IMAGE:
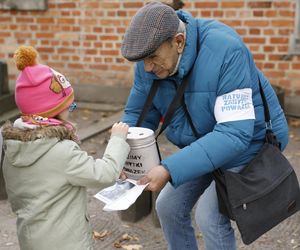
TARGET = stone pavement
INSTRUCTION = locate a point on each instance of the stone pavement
(117, 234)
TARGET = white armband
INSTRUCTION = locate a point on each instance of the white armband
(234, 106)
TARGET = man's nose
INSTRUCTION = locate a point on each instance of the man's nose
(148, 65)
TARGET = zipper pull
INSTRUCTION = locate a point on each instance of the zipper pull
(244, 206)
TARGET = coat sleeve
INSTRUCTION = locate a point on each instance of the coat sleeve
(84, 170)
(136, 101)
(231, 135)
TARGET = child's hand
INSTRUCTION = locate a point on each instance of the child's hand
(120, 129)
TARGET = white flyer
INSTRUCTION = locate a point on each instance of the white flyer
(121, 195)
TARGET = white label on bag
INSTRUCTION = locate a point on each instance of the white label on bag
(234, 106)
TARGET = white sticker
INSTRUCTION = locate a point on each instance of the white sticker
(234, 106)
(61, 79)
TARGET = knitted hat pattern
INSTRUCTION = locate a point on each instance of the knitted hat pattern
(40, 90)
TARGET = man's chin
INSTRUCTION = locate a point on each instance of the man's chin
(162, 75)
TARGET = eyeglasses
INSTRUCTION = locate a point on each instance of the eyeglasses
(72, 107)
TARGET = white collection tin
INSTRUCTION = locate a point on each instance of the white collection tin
(143, 153)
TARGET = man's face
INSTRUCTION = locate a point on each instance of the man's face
(163, 61)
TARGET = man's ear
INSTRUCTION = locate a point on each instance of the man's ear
(180, 42)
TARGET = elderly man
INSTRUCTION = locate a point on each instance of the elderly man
(225, 106)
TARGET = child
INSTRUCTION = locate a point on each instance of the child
(45, 170)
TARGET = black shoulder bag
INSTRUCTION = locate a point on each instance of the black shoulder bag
(260, 196)
(264, 193)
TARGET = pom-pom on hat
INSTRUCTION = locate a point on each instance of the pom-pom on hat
(152, 25)
(40, 90)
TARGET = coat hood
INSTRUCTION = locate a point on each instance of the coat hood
(23, 147)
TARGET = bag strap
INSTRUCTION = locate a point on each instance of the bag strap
(178, 98)
(266, 107)
(148, 102)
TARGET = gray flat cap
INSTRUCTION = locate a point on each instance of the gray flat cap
(152, 25)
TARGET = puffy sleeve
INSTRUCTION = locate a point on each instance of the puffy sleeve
(84, 170)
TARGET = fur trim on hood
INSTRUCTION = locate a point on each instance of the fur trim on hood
(10, 132)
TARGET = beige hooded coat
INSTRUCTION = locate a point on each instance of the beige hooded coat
(46, 176)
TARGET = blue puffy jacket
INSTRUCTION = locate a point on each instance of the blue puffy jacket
(222, 68)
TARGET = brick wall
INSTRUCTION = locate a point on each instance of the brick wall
(82, 38)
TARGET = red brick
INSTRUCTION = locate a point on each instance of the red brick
(218, 13)
(108, 45)
(91, 37)
(111, 13)
(5, 19)
(259, 40)
(66, 20)
(271, 13)
(90, 22)
(232, 23)
(242, 32)
(76, 43)
(256, 23)
(269, 48)
(120, 67)
(48, 20)
(99, 66)
(134, 5)
(258, 13)
(273, 57)
(268, 32)
(282, 23)
(65, 50)
(259, 57)
(109, 30)
(45, 50)
(75, 66)
(45, 42)
(279, 40)
(266, 4)
(68, 5)
(23, 35)
(66, 28)
(91, 52)
(283, 48)
(206, 5)
(109, 38)
(230, 13)
(89, 5)
(205, 13)
(254, 31)
(5, 34)
(108, 60)
(254, 48)
(269, 65)
(110, 22)
(109, 5)
(282, 4)
(285, 32)
(283, 66)
(76, 13)
(232, 5)
(24, 19)
(121, 13)
(65, 13)
(98, 45)
(109, 52)
(287, 13)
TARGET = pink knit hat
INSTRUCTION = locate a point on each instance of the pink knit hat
(40, 90)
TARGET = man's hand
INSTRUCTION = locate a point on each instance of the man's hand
(157, 178)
